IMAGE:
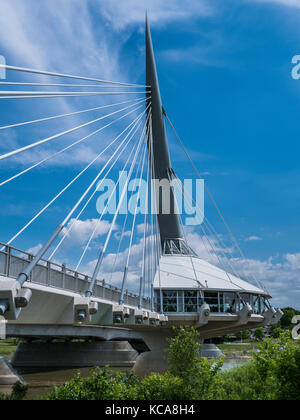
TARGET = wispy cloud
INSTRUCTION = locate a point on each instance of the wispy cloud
(83, 229)
(253, 239)
(288, 3)
(121, 14)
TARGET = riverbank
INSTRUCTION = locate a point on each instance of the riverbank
(42, 382)
(8, 347)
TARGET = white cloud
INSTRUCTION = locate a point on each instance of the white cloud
(132, 12)
(253, 238)
(34, 250)
(83, 229)
(62, 37)
(289, 3)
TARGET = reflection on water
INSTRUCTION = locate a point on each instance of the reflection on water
(41, 383)
(234, 363)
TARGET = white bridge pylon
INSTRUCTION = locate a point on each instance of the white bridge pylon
(171, 284)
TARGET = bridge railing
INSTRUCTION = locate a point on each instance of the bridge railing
(13, 261)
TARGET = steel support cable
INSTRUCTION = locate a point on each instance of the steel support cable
(66, 76)
(133, 226)
(158, 252)
(39, 95)
(215, 251)
(157, 243)
(51, 138)
(260, 284)
(158, 249)
(101, 256)
(65, 188)
(52, 96)
(121, 239)
(104, 210)
(146, 284)
(224, 255)
(222, 266)
(185, 238)
(209, 227)
(67, 148)
(69, 114)
(100, 219)
(143, 271)
(103, 213)
(64, 85)
(23, 277)
(148, 225)
(134, 125)
(153, 257)
(69, 229)
(212, 231)
(150, 219)
(119, 247)
(152, 230)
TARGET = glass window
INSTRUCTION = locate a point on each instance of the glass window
(230, 302)
(212, 299)
(181, 302)
(170, 301)
(262, 305)
(191, 301)
(256, 304)
(157, 301)
(221, 302)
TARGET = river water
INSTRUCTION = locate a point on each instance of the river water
(41, 383)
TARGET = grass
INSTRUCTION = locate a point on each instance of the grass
(237, 349)
(240, 348)
(8, 347)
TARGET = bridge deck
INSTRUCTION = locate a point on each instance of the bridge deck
(13, 261)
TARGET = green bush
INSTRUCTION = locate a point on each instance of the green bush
(19, 392)
(198, 374)
(274, 373)
(161, 387)
(259, 334)
(101, 385)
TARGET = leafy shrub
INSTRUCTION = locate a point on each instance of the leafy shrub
(162, 387)
(274, 373)
(102, 385)
(198, 374)
(19, 392)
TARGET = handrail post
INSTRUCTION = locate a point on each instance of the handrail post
(63, 269)
(7, 260)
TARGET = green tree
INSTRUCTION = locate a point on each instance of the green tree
(184, 353)
(243, 335)
(276, 332)
(198, 374)
(259, 334)
(288, 315)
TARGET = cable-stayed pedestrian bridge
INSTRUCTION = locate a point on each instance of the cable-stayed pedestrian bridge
(161, 280)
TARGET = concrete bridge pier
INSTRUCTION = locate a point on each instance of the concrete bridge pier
(155, 360)
(68, 354)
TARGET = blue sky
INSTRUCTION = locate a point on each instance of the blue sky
(225, 75)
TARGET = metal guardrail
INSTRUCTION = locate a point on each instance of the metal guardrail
(13, 261)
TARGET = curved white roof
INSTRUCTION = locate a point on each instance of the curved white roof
(185, 272)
